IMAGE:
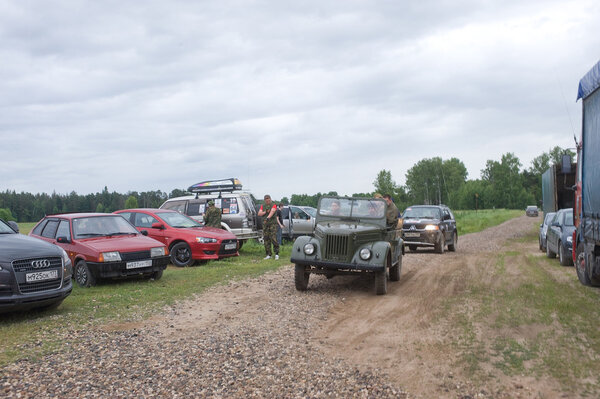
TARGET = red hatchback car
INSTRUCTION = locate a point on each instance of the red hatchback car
(188, 241)
(102, 245)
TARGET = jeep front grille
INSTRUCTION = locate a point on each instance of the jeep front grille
(336, 247)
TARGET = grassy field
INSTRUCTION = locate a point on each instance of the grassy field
(133, 300)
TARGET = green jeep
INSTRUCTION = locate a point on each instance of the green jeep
(351, 236)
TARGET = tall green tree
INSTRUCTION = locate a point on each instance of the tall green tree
(131, 202)
(384, 184)
(435, 181)
(505, 181)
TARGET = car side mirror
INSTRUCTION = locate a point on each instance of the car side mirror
(144, 232)
(157, 225)
(13, 225)
(63, 240)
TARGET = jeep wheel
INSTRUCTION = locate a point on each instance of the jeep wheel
(396, 270)
(549, 253)
(440, 244)
(563, 258)
(83, 276)
(381, 282)
(580, 267)
(452, 247)
(301, 275)
(181, 255)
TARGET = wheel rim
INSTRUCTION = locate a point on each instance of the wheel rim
(580, 265)
(183, 255)
(81, 276)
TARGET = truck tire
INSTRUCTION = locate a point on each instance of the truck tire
(582, 275)
(452, 247)
(396, 270)
(549, 253)
(440, 244)
(301, 276)
(381, 282)
(563, 258)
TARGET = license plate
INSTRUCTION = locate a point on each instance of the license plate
(412, 234)
(41, 276)
(230, 246)
(139, 263)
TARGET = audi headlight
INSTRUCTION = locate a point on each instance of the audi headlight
(431, 227)
(365, 254)
(158, 251)
(205, 240)
(309, 249)
(110, 257)
(65, 257)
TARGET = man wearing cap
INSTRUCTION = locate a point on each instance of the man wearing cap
(212, 217)
(267, 212)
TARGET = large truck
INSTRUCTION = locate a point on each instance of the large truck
(557, 186)
(586, 212)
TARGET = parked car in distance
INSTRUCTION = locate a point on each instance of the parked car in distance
(239, 215)
(33, 273)
(430, 226)
(102, 246)
(531, 210)
(544, 229)
(297, 222)
(559, 237)
(351, 238)
(188, 241)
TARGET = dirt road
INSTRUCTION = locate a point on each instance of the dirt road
(262, 338)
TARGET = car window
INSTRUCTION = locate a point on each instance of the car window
(177, 220)
(50, 229)
(178, 206)
(63, 230)
(196, 208)
(38, 229)
(228, 205)
(422, 212)
(5, 228)
(126, 215)
(299, 213)
(568, 219)
(549, 217)
(98, 226)
(143, 220)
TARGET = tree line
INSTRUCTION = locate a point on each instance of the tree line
(502, 184)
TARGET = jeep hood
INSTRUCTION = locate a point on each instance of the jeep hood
(345, 227)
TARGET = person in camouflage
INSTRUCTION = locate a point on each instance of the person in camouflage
(391, 215)
(212, 217)
(267, 212)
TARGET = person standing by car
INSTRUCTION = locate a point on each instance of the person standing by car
(267, 212)
(391, 215)
(279, 218)
(212, 217)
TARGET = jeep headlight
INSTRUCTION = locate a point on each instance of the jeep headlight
(309, 249)
(110, 257)
(365, 254)
(158, 251)
(205, 240)
(432, 227)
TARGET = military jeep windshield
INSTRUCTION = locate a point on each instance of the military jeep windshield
(352, 208)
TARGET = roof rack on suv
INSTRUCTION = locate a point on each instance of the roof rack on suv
(212, 186)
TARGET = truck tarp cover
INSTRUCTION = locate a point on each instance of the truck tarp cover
(591, 141)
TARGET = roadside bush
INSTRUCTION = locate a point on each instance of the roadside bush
(6, 214)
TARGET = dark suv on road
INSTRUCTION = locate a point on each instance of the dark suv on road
(430, 226)
(33, 273)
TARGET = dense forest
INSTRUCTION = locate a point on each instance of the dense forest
(502, 184)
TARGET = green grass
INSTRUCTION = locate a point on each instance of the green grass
(30, 334)
(474, 221)
(541, 323)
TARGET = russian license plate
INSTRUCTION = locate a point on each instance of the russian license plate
(41, 276)
(138, 264)
(412, 234)
(230, 246)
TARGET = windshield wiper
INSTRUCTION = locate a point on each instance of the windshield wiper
(119, 233)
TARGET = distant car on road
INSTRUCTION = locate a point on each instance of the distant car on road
(188, 241)
(531, 210)
(33, 273)
(430, 226)
(102, 245)
(559, 238)
(544, 228)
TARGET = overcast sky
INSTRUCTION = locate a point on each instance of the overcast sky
(290, 97)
